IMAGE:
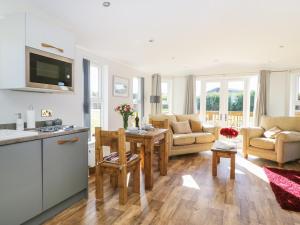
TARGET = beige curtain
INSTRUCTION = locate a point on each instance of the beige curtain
(261, 99)
(155, 98)
(190, 95)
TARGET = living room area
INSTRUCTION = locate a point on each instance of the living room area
(150, 112)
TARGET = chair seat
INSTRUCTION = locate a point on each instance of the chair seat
(114, 157)
(264, 143)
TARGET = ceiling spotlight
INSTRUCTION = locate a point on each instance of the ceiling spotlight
(151, 40)
(173, 58)
(106, 4)
(281, 46)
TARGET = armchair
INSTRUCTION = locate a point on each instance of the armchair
(285, 147)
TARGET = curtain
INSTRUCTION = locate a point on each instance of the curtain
(190, 95)
(142, 97)
(261, 99)
(86, 93)
(156, 94)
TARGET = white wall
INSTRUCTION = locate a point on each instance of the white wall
(278, 94)
(69, 106)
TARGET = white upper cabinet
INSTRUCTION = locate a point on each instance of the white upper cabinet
(48, 37)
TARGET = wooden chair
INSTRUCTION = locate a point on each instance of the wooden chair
(117, 164)
(164, 124)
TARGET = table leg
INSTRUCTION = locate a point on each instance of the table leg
(142, 155)
(133, 147)
(232, 166)
(214, 164)
(218, 159)
(164, 156)
(149, 147)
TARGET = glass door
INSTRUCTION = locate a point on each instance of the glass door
(225, 103)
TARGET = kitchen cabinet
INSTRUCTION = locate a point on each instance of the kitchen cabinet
(20, 182)
(65, 167)
(24, 29)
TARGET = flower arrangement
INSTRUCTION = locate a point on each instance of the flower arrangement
(229, 132)
(125, 110)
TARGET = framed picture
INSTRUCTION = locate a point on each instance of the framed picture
(120, 87)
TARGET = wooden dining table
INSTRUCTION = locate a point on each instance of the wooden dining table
(147, 140)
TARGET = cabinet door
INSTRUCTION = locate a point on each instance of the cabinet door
(20, 182)
(39, 31)
(65, 167)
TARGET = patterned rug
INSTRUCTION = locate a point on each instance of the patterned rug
(286, 187)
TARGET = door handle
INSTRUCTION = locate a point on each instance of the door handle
(72, 140)
(45, 45)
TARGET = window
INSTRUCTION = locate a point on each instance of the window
(138, 95)
(96, 97)
(166, 96)
(198, 95)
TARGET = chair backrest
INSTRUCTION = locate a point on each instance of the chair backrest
(116, 140)
(286, 123)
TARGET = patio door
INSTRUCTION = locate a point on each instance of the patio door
(225, 102)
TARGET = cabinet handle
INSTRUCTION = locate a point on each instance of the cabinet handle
(45, 45)
(72, 140)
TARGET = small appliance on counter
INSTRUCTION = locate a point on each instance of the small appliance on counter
(30, 117)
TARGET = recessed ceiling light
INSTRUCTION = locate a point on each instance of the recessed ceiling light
(106, 4)
(281, 46)
(215, 61)
(151, 40)
(173, 58)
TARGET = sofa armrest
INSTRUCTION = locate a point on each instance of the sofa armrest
(252, 132)
(288, 136)
(248, 133)
(213, 130)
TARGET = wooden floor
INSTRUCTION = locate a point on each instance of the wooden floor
(190, 195)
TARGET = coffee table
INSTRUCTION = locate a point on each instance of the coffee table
(224, 153)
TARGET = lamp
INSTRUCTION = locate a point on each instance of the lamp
(154, 99)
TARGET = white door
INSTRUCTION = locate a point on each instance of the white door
(225, 102)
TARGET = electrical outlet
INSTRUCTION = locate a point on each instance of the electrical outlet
(46, 113)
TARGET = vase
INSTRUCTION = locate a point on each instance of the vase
(125, 122)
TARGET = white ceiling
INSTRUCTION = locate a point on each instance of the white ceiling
(191, 36)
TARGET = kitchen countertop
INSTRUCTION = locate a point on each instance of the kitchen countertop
(42, 135)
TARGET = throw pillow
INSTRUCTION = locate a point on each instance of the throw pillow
(181, 127)
(196, 126)
(272, 133)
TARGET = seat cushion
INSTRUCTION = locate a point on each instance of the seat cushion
(264, 143)
(183, 139)
(203, 137)
(114, 157)
(181, 127)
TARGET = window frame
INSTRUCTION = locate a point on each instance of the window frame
(169, 95)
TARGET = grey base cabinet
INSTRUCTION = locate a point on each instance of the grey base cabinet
(20, 182)
(65, 167)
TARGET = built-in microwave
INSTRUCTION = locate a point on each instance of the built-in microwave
(46, 70)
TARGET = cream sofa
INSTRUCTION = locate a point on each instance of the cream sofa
(188, 143)
(285, 147)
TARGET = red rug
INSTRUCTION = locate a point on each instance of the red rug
(286, 187)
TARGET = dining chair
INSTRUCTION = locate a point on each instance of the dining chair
(117, 164)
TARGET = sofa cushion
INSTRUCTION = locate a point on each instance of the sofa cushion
(264, 143)
(181, 127)
(181, 118)
(183, 139)
(272, 133)
(202, 138)
(196, 125)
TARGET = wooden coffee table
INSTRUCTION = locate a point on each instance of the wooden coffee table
(217, 154)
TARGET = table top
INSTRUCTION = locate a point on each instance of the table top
(232, 150)
(148, 134)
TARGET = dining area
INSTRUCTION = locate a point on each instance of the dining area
(130, 154)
